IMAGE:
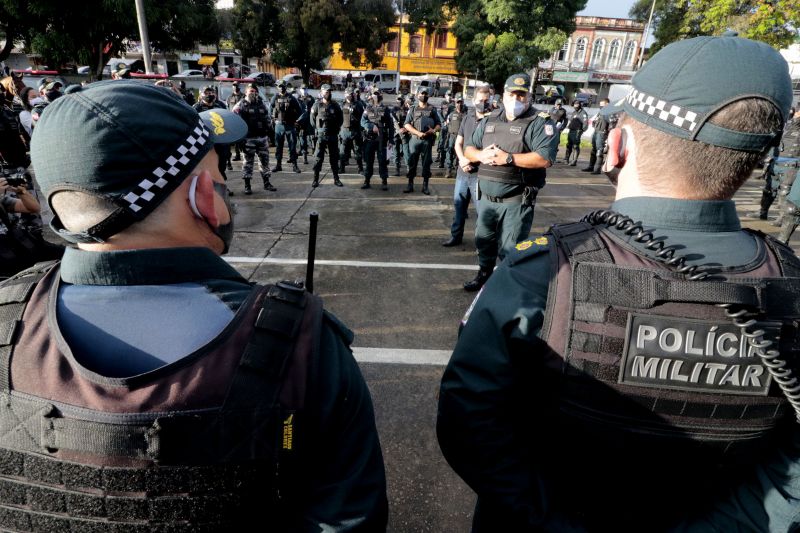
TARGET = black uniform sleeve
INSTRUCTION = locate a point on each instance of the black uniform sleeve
(477, 136)
(298, 111)
(348, 491)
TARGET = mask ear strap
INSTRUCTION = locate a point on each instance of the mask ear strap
(193, 197)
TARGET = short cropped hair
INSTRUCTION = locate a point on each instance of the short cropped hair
(701, 170)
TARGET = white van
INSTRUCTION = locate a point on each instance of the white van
(385, 80)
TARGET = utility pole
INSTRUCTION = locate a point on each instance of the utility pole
(143, 37)
(399, 48)
(645, 34)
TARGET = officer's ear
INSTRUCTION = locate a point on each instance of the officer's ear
(617, 149)
(201, 198)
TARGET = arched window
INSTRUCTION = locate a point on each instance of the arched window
(630, 53)
(563, 53)
(580, 50)
(597, 52)
(613, 54)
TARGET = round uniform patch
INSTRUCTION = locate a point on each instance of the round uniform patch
(519, 81)
(524, 245)
(548, 129)
(541, 241)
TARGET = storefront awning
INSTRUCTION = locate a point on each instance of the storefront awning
(206, 60)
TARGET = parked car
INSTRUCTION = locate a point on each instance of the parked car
(191, 74)
(584, 98)
(385, 80)
(293, 80)
(261, 78)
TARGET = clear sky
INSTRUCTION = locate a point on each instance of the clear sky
(607, 8)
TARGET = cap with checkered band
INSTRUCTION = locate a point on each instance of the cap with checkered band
(685, 83)
(129, 141)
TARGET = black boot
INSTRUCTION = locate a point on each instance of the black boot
(452, 241)
(410, 186)
(277, 168)
(425, 186)
(366, 184)
(305, 159)
(479, 281)
(384, 185)
(247, 189)
(337, 181)
(295, 167)
(268, 186)
(341, 168)
(315, 182)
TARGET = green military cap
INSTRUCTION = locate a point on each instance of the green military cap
(518, 82)
(53, 85)
(686, 82)
(128, 141)
(325, 87)
(209, 88)
(252, 86)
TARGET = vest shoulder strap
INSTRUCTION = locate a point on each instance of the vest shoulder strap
(14, 295)
(581, 242)
(787, 260)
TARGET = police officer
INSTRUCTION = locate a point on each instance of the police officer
(376, 123)
(787, 167)
(466, 187)
(514, 145)
(306, 129)
(453, 126)
(235, 97)
(180, 407)
(326, 115)
(422, 122)
(350, 138)
(285, 112)
(254, 112)
(577, 123)
(597, 357)
(188, 94)
(402, 136)
(208, 100)
(602, 122)
(445, 108)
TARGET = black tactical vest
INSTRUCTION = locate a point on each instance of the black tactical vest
(577, 120)
(256, 116)
(234, 99)
(423, 118)
(69, 467)
(376, 114)
(326, 115)
(350, 116)
(791, 139)
(510, 137)
(454, 120)
(282, 111)
(400, 113)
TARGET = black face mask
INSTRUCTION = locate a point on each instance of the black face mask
(283, 90)
(53, 95)
(423, 98)
(208, 98)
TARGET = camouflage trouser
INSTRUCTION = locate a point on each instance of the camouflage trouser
(253, 146)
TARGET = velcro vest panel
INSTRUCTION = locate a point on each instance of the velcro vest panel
(376, 115)
(350, 120)
(423, 118)
(647, 352)
(510, 137)
(454, 120)
(256, 116)
(577, 120)
(283, 109)
(68, 466)
(326, 115)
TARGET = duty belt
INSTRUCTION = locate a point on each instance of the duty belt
(516, 199)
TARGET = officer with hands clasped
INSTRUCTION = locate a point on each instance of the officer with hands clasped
(285, 112)
(326, 116)
(646, 355)
(169, 393)
(514, 145)
(376, 123)
(422, 122)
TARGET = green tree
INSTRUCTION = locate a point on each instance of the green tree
(497, 38)
(301, 33)
(774, 22)
(93, 31)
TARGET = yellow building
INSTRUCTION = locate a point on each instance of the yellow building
(423, 52)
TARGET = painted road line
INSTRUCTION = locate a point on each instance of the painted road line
(402, 356)
(365, 264)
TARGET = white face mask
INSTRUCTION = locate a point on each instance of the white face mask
(36, 101)
(519, 108)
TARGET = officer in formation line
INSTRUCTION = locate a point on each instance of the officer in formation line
(514, 145)
(350, 136)
(401, 136)
(650, 348)
(466, 186)
(326, 115)
(163, 398)
(254, 112)
(453, 127)
(787, 167)
(602, 123)
(208, 100)
(286, 111)
(307, 133)
(445, 108)
(376, 124)
(422, 122)
(234, 98)
(577, 123)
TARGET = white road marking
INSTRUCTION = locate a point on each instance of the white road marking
(402, 356)
(365, 264)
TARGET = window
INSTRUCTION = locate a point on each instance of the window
(441, 39)
(629, 54)
(613, 53)
(392, 46)
(597, 51)
(580, 50)
(562, 54)
(415, 44)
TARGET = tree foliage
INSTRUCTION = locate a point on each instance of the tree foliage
(301, 33)
(497, 38)
(774, 22)
(93, 31)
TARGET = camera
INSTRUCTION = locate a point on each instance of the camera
(16, 181)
